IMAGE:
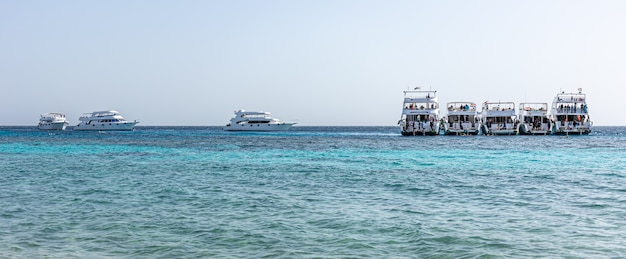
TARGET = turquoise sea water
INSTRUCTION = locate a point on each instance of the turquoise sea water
(193, 192)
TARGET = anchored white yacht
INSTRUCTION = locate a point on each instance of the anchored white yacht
(104, 121)
(420, 113)
(571, 114)
(52, 121)
(534, 119)
(256, 121)
(498, 118)
(462, 119)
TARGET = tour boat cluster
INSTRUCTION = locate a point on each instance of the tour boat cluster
(420, 116)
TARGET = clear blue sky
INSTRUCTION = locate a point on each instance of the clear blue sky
(317, 62)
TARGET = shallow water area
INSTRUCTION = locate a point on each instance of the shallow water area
(310, 192)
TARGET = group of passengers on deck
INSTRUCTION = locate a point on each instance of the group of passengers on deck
(422, 107)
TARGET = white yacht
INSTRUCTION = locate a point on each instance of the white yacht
(420, 113)
(52, 121)
(104, 121)
(534, 119)
(498, 118)
(570, 114)
(462, 119)
(256, 121)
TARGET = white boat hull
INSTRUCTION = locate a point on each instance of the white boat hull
(258, 127)
(543, 129)
(499, 130)
(109, 126)
(52, 126)
(466, 128)
(420, 129)
(461, 132)
(571, 130)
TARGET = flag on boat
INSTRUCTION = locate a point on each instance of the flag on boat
(580, 89)
(416, 88)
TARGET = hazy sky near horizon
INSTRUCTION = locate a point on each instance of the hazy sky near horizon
(316, 62)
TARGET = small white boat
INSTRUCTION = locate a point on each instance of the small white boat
(462, 119)
(420, 114)
(534, 119)
(52, 121)
(498, 118)
(256, 121)
(104, 121)
(570, 114)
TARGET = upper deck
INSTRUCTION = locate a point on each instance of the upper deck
(570, 103)
(462, 108)
(420, 102)
(101, 114)
(568, 98)
(533, 109)
(52, 115)
(420, 96)
(498, 109)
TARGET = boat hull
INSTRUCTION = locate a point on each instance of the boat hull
(525, 129)
(461, 132)
(500, 132)
(581, 131)
(419, 133)
(127, 126)
(52, 126)
(536, 132)
(258, 127)
(459, 129)
(420, 129)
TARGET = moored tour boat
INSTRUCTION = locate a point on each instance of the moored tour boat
(462, 119)
(256, 121)
(104, 121)
(570, 114)
(534, 119)
(498, 118)
(420, 113)
(52, 121)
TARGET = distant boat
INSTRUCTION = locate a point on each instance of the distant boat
(104, 121)
(498, 118)
(256, 121)
(52, 121)
(462, 119)
(420, 114)
(570, 114)
(534, 119)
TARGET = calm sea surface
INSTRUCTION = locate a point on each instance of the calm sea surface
(193, 192)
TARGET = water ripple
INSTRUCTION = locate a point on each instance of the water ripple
(311, 192)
